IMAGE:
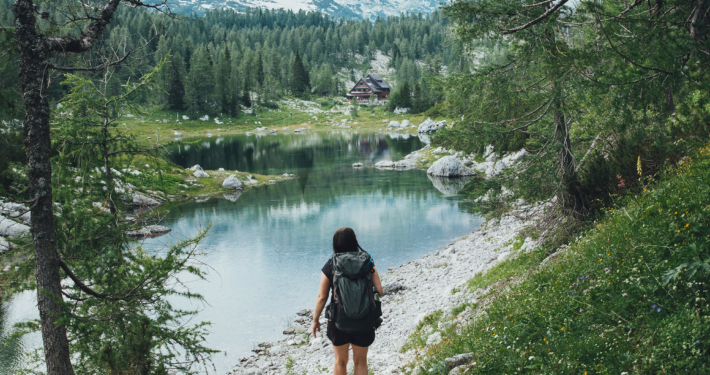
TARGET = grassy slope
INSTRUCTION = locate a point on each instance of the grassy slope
(600, 306)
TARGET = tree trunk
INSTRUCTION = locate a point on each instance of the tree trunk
(568, 195)
(32, 70)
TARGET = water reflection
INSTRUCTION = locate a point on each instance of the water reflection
(281, 153)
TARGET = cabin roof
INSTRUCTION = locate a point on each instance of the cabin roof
(376, 83)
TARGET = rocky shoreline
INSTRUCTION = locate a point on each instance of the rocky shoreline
(412, 291)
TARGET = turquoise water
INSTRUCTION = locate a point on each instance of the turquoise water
(266, 246)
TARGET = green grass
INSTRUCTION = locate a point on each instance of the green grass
(628, 296)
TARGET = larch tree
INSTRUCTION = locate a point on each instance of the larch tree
(38, 51)
(69, 37)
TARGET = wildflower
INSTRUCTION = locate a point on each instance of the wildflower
(591, 287)
(548, 332)
(624, 295)
(659, 309)
(687, 225)
(531, 358)
(562, 329)
(581, 310)
(653, 307)
(676, 213)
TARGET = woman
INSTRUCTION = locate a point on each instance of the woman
(344, 240)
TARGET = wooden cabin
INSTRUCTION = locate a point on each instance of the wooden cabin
(372, 84)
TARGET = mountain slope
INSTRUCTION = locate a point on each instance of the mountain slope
(361, 9)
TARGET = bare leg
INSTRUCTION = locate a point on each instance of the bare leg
(341, 359)
(360, 360)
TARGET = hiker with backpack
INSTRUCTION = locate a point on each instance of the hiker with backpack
(354, 311)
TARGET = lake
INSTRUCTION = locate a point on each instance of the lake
(266, 246)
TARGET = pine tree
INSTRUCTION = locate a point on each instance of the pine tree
(246, 95)
(223, 88)
(301, 80)
(173, 83)
(418, 99)
(200, 83)
(405, 96)
(260, 71)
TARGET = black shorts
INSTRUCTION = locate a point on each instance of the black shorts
(338, 338)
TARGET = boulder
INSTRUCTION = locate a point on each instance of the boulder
(142, 200)
(429, 126)
(393, 124)
(5, 245)
(196, 167)
(17, 211)
(449, 166)
(384, 164)
(232, 182)
(221, 169)
(149, 231)
(405, 123)
(200, 174)
(458, 360)
(405, 164)
(393, 288)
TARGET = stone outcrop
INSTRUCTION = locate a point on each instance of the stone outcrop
(11, 228)
(449, 166)
(142, 200)
(200, 174)
(429, 126)
(232, 182)
(384, 164)
(149, 231)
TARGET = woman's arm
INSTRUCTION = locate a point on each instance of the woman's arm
(376, 282)
(320, 302)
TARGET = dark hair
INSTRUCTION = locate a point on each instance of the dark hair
(344, 240)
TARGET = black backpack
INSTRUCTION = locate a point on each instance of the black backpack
(355, 308)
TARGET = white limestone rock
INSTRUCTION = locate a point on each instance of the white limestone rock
(10, 228)
(405, 164)
(196, 167)
(5, 245)
(384, 164)
(405, 124)
(149, 231)
(142, 200)
(449, 166)
(232, 182)
(429, 126)
(394, 124)
(200, 174)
